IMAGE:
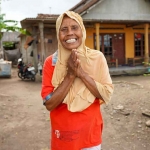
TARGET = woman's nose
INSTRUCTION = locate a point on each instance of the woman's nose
(70, 31)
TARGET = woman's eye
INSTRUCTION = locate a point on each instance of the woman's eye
(64, 29)
(75, 28)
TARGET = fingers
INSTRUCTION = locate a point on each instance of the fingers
(78, 68)
(77, 63)
(74, 55)
(73, 62)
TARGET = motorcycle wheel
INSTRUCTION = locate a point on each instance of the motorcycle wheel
(19, 75)
(22, 77)
(32, 78)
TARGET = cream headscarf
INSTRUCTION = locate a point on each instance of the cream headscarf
(93, 62)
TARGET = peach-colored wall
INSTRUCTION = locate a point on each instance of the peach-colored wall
(90, 38)
(129, 36)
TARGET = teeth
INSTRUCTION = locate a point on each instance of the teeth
(71, 41)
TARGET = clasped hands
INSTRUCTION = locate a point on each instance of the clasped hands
(73, 64)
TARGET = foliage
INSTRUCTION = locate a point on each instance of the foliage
(10, 25)
(8, 44)
(146, 63)
(148, 69)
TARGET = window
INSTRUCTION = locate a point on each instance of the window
(139, 44)
(107, 45)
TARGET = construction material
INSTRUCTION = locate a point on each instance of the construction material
(5, 68)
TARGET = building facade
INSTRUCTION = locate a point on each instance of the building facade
(118, 28)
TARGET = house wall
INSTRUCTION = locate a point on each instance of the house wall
(26, 53)
(129, 40)
(120, 10)
(50, 45)
(129, 36)
(91, 31)
(90, 37)
(50, 42)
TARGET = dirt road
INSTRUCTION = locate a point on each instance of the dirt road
(24, 121)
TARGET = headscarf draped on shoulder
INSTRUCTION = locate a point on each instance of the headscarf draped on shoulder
(92, 61)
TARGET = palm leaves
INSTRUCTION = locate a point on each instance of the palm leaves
(10, 25)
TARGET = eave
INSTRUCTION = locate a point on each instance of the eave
(84, 6)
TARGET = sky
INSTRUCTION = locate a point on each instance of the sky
(21, 9)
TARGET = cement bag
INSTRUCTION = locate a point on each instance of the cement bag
(5, 68)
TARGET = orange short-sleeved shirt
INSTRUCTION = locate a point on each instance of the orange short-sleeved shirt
(71, 130)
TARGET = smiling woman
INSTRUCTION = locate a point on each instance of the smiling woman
(70, 34)
(76, 81)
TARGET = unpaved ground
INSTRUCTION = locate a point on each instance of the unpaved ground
(24, 121)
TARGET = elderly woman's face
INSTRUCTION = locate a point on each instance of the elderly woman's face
(70, 34)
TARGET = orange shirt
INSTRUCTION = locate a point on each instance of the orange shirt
(71, 130)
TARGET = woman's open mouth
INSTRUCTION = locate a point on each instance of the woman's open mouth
(71, 41)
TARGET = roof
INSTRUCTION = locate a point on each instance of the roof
(81, 7)
(46, 18)
(84, 6)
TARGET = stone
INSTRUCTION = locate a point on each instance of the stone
(140, 121)
(126, 113)
(146, 113)
(119, 107)
(148, 123)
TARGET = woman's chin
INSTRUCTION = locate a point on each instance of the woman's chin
(71, 47)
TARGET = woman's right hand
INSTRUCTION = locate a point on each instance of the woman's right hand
(72, 63)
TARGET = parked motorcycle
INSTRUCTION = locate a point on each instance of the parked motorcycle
(26, 71)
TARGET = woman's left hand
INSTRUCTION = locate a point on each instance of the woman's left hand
(79, 71)
(74, 64)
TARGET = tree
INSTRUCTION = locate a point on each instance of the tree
(10, 25)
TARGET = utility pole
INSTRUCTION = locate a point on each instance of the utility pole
(50, 10)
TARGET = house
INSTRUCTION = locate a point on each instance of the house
(43, 32)
(118, 28)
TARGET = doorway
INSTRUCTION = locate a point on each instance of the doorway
(112, 46)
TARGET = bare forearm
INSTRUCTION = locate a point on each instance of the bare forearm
(60, 93)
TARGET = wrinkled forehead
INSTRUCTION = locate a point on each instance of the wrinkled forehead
(68, 21)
